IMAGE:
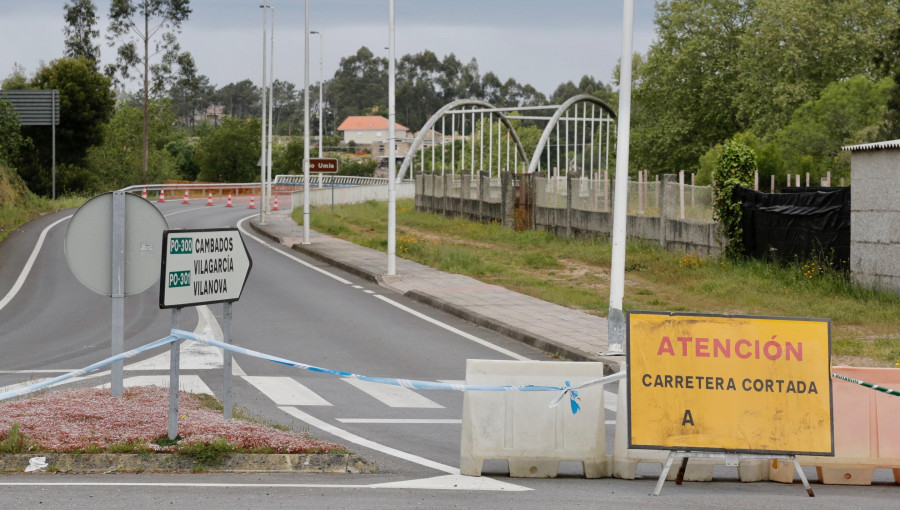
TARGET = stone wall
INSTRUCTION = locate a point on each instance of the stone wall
(875, 218)
(481, 198)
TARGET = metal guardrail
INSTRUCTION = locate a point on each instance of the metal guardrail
(344, 180)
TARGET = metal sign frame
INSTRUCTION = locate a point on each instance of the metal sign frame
(37, 108)
(683, 395)
(163, 280)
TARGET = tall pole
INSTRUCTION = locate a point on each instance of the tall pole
(306, 130)
(392, 192)
(616, 319)
(268, 205)
(262, 156)
(321, 108)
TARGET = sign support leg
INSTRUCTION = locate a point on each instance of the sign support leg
(174, 354)
(227, 395)
(117, 292)
(802, 477)
(665, 471)
(679, 478)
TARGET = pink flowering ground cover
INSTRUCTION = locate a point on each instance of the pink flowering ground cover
(90, 418)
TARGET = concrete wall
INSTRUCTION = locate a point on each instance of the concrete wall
(455, 196)
(875, 218)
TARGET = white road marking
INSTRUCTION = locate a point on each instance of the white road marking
(353, 438)
(29, 263)
(60, 371)
(450, 328)
(611, 400)
(288, 255)
(399, 421)
(446, 482)
(357, 286)
(188, 383)
(394, 396)
(286, 391)
(367, 291)
(387, 300)
(183, 211)
(23, 384)
(194, 355)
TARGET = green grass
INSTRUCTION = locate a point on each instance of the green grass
(15, 441)
(14, 216)
(575, 273)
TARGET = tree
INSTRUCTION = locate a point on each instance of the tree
(685, 87)
(793, 49)
(230, 154)
(80, 30)
(10, 133)
(190, 91)
(241, 99)
(137, 23)
(735, 168)
(86, 103)
(118, 161)
(16, 79)
(360, 84)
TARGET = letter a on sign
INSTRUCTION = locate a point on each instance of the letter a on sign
(688, 418)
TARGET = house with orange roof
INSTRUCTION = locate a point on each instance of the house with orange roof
(370, 129)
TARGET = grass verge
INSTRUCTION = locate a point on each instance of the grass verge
(575, 273)
(13, 216)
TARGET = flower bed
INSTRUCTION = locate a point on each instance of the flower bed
(90, 419)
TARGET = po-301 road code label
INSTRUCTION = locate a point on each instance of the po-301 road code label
(202, 266)
(726, 383)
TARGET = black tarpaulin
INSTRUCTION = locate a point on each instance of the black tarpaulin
(797, 224)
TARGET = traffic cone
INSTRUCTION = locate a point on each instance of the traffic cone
(275, 205)
(186, 199)
(229, 201)
(251, 203)
(162, 195)
(209, 200)
(144, 193)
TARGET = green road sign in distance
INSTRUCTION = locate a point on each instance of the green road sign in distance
(202, 266)
(88, 244)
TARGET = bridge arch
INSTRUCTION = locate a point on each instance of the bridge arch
(419, 140)
(553, 123)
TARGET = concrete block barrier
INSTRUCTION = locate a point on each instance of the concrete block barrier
(520, 428)
(866, 435)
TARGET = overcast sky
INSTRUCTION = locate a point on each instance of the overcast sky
(543, 43)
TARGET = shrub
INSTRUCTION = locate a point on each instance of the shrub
(735, 167)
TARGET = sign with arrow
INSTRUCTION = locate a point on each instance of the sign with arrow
(202, 266)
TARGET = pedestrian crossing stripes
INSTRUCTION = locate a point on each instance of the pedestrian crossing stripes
(285, 391)
(394, 396)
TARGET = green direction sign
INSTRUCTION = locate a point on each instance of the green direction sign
(202, 266)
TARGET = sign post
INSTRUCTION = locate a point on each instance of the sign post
(201, 267)
(731, 386)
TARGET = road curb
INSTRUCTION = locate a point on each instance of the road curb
(538, 341)
(171, 462)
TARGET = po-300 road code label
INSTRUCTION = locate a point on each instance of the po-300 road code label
(203, 266)
(728, 383)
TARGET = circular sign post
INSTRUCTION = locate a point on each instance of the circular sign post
(112, 247)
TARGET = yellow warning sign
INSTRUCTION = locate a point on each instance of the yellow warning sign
(742, 384)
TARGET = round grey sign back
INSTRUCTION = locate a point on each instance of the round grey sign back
(88, 245)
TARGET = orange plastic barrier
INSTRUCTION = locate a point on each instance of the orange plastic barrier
(866, 431)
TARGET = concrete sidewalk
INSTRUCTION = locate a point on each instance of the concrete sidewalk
(552, 328)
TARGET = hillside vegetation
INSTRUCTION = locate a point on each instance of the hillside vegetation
(19, 206)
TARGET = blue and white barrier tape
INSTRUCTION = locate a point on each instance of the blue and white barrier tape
(86, 370)
(568, 389)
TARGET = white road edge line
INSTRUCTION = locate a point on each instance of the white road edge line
(28, 264)
(422, 316)
(353, 438)
(295, 259)
(400, 421)
(451, 329)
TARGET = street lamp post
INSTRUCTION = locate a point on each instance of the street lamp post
(262, 156)
(306, 129)
(321, 107)
(392, 192)
(268, 205)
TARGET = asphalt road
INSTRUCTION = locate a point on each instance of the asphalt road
(300, 309)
